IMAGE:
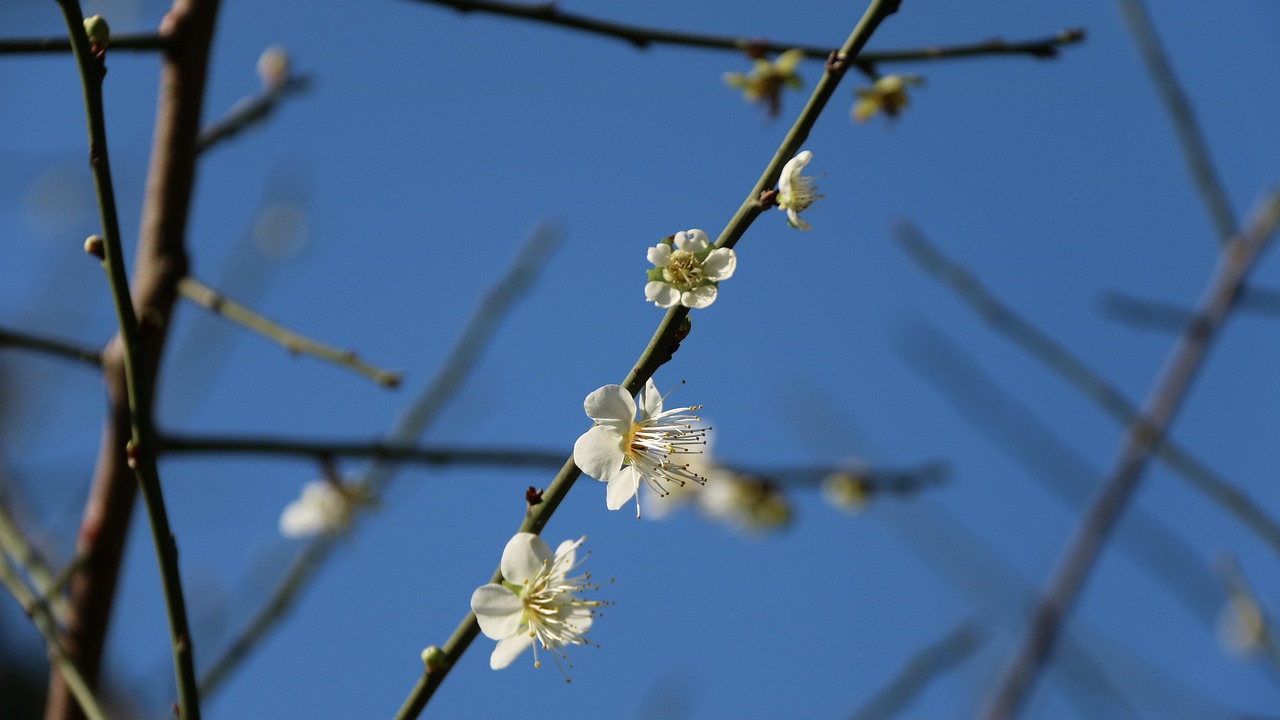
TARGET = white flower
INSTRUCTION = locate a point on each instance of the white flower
(622, 450)
(324, 509)
(687, 275)
(537, 600)
(796, 191)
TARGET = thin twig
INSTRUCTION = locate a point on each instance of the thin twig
(1085, 379)
(249, 112)
(901, 481)
(939, 657)
(123, 41)
(1237, 259)
(643, 37)
(1159, 315)
(1158, 547)
(43, 619)
(50, 346)
(15, 544)
(1194, 149)
(127, 452)
(665, 340)
(214, 301)
(479, 331)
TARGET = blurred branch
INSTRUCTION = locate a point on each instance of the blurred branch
(1194, 149)
(938, 658)
(1088, 381)
(48, 629)
(210, 299)
(1154, 545)
(888, 480)
(15, 544)
(644, 37)
(462, 359)
(126, 459)
(1237, 259)
(49, 346)
(249, 111)
(1158, 315)
(670, 332)
(123, 41)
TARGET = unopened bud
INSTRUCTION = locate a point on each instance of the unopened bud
(93, 246)
(273, 67)
(98, 31)
(433, 659)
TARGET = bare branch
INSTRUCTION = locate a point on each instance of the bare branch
(1238, 258)
(50, 346)
(249, 112)
(210, 299)
(123, 41)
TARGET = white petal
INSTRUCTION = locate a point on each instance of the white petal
(498, 611)
(794, 220)
(622, 487)
(720, 264)
(699, 297)
(692, 240)
(611, 405)
(523, 557)
(659, 254)
(650, 400)
(598, 452)
(509, 649)
(299, 520)
(661, 294)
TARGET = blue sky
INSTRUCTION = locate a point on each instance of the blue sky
(430, 146)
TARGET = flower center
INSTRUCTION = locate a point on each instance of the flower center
(801, 195)
(553, 610)
(683, 270)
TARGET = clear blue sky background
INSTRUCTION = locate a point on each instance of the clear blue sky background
(430, 146)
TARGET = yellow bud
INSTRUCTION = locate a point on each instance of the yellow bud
(98, 31)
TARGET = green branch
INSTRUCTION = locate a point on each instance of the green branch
(141, 451)
(665, 341)
(210, 299)
(43, 619)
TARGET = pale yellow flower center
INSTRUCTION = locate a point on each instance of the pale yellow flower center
(683, 270)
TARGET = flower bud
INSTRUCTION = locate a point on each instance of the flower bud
(93, 246)
(98, 31)
(433, 659)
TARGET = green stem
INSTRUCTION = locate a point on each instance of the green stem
(666, 338)
(142, 452)
(48, 629)
(214, 301)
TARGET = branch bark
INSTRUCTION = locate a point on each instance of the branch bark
(161, 261)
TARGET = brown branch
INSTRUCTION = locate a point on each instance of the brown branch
(161, 261)
(1237, 259)
(35, 46)
(644, 37)
(50, 346)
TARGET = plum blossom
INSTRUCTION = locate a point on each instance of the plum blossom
(623, 450)
(796, 192)
(537, 601)
(887, 95)
(764, 83)
(325, 508)
(686, 270)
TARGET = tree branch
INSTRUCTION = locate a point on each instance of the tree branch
(670, 332)
(31, 46)
(249, 112)
(644, 37)
(214, 301)
(126, 454)
(1237, 259)
(1088, 381)
(50, 346)
(1185, 127)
